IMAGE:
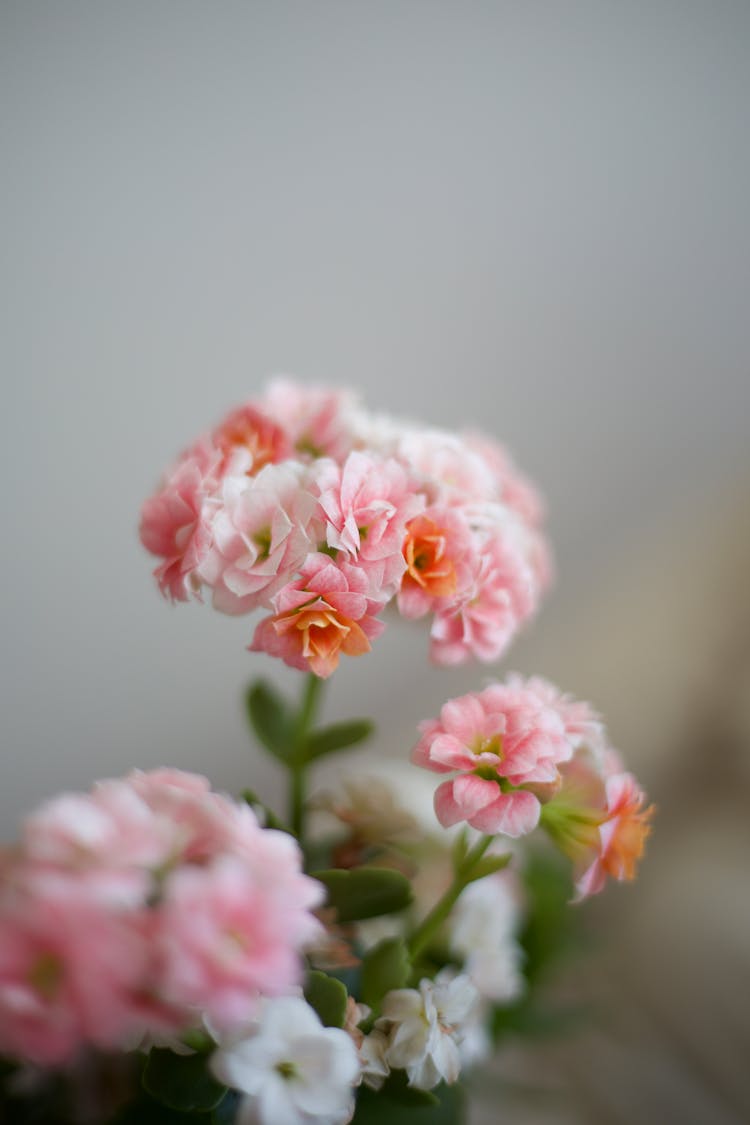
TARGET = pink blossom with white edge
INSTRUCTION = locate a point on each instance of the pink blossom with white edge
(316, 420)
(261, 536)
(513, 488)
(176, 521)
(482, 621)
(72, 958)
(450, 471)
(220, 939)
(366, 504)
(499, 740)
(326, 612)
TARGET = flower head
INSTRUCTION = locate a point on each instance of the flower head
(289, 1068)
(424, 1028)
(323, 614)
(501, 743)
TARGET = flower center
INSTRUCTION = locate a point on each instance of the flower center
(262, 540)
(46, 975)
(287, 1070)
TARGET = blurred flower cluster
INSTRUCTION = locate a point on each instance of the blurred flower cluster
(351, 958)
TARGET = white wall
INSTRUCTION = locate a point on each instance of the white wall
(529, 216)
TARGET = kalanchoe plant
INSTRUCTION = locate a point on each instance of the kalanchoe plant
(352, 956)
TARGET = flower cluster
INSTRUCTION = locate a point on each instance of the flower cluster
(519, 753)
(141, 909)
(303, 505)
(153, 915)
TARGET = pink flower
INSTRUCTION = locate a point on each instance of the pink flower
(512, 487)
(140, 908)
(260, 537)
(488, 613)
(72, 958)
(316, 420)
(440, 557)
(583, 726)
(450, 471)
(249, 429)
(324, 613)
(366, 504)
(176, 522)
(621, 838)
(228, 937)
(501, 741)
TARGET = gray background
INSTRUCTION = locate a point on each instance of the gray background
(527, 216)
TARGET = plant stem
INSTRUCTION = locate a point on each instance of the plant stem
(298, 766)
(430, 925)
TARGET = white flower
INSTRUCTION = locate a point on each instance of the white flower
(483, 930)
(291, 1069)
(372, 1055)
(425, 1028)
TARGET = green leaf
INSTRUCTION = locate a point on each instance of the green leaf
(328, 997)
(384, 968)
(147, 1111)
(488, 865)
(365, 892)
(400, 1104)
(339, 736)
(271, 720)
(181, 1082)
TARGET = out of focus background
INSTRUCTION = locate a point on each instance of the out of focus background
(528, 217)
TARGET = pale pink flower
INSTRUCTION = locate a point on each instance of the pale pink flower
(112, 827)
(72, 957)
(440, 557)
(488, 613)
(583, 726)
(326, 612)
(260, 537)
(227, 938)
(247, 428)
(501, 740)
(176, 521)
(316, 420)
(450, 471)
(366, 504)
(513, 488)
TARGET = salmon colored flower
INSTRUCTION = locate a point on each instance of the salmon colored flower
(250, 429)
(325, 613)
(622, 835)
(438, 550)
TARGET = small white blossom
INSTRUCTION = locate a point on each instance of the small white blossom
(426, 1027)
(483, 931)
(290, 1069)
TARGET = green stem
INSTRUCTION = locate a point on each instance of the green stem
(298, 766)
(430, 925)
